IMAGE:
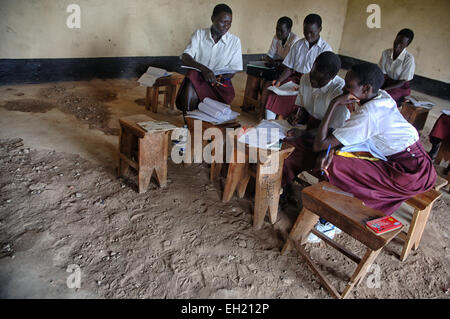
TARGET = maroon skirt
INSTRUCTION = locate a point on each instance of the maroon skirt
(204, 89)
(441, 128)
(384, 185)
(283, 105)
(303, 158)
(398, 94)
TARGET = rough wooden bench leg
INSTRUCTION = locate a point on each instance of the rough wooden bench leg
(125, 146)
(361, 270)
(415, 231)
(148, 97)
(244, 181)
(154, 99)
(301, 229)
(235, 172)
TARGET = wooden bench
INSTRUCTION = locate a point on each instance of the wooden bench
(268, 185)
(422, 205)
(145, 152)
(215, 167)
(168, 86)
(347, 213)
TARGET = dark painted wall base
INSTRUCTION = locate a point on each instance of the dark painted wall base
(22, 71)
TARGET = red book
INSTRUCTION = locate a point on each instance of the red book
(383, 225)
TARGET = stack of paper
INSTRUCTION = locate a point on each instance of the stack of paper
(267, 134)
(149, 78)
(153, 126)
(287, 89)
(420, 101)
(213, 111)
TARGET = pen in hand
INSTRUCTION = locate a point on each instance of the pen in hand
(326, 157)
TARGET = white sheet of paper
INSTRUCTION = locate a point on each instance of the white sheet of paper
(446, 112)
(287, 89)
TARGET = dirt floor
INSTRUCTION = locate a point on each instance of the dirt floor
(62, 204)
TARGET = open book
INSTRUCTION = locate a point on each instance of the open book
(267, 134)
(420, 101)
(154, 126)
(213, 111)
(287, 89)
(149, 78)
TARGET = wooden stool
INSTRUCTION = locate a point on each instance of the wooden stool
(347, 213)
(422, 204)
(444, 152)
(145, 152)
(215, 167)
(169, 85)
(252, 92)
(268, 186)
(417, 116)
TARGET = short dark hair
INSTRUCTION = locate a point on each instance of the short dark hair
(218, 9)
(407, 33)
(313, 19)
(287, 21)
(328, 63)
(369, 73)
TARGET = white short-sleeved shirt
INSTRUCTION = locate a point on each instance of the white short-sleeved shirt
(301, 58)
(317, 100)
(278, 50)
(401, 68)
(377, 127)
(225, 54)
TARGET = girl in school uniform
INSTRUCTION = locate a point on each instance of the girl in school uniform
(281, 44)
(298, 62)
(211, 49)
(398, 67)
(316, 90)
(380, 159)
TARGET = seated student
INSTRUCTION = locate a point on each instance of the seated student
(211, 49)
(282, 42)
(398, 67)
(298, 61)
(440, 132)
(316, 90)
(381, 160)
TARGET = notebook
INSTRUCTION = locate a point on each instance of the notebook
(383, 225)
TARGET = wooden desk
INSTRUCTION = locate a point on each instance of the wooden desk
(169, 85)
(145, 152)
(417, 116)
(268, 180)
(215, 167)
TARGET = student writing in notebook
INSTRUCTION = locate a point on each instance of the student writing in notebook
(298, 62)
(380, 159)
(211, 49)
(281, 44)
(398, 67)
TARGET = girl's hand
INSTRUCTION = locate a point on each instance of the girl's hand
(208, 75)
(345, 99)
(276, 83)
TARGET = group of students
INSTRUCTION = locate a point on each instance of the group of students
(375, 153)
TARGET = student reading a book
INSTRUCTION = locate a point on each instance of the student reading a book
(281, 44)
(398, 67)
(211, 49)
(298, 62)
(380, 159)
(440, 132)
(316, 90)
